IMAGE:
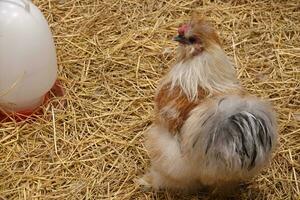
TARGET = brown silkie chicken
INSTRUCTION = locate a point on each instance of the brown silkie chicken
(208, 130)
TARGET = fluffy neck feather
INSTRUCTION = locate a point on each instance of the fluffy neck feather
(210, 70)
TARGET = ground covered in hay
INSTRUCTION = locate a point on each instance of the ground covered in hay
(111, 54)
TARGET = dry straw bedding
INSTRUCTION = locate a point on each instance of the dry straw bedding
(111, 54)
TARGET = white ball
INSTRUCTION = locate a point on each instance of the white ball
(28, 65)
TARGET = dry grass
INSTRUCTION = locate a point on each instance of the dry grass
(111, 54)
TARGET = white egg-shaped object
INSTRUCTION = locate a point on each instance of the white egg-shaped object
(28, 65)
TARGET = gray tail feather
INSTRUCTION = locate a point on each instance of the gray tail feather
(240, 131)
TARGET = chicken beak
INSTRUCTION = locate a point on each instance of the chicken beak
(180, 39)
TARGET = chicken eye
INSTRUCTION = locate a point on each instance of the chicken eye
(192, 40)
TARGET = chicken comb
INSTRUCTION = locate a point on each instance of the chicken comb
(183, 29)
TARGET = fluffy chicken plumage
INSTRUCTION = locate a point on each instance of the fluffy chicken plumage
(208, 130)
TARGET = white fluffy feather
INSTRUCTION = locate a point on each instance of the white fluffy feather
(211, 70)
